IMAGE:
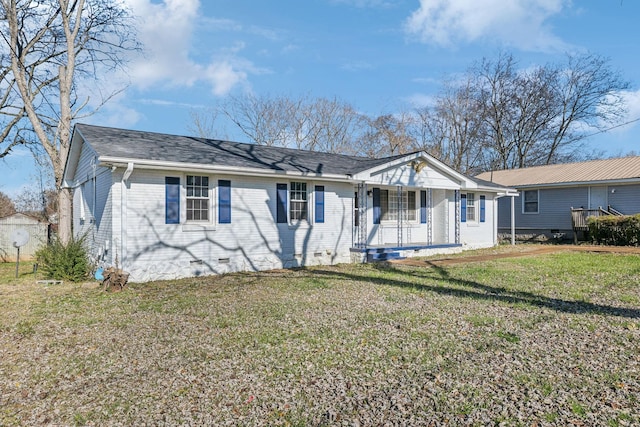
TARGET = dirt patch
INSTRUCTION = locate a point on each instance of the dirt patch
(517, 251)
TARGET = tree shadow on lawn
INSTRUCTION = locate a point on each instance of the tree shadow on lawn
(481, 291)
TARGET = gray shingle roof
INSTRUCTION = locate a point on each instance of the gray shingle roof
(139, 145)
(624, 168)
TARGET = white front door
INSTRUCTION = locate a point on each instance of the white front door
(598, 197)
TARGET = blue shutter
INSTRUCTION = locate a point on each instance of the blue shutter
(463, 208)
(224, 201)
(376, 206)
(281, 205)
(423, 206)
(319, 216)
(172, 200)
(482, 208)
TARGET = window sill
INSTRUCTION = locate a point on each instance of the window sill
(198, 227)
(394, 223)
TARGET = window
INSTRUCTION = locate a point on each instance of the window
(530, 201)
(471, 207)
(390, 206)
(292, 202)
(298, 201)
(197, 198)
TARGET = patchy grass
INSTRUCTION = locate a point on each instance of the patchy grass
(546, 340)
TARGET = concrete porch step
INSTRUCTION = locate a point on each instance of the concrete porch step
(383, 256)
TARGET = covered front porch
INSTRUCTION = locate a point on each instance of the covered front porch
(392, 222)
(405, 217)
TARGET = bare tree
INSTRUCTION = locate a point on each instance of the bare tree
(389, 134)
(263, 119)
(204, 124)
(302, 122)
(451, 129)
(588, 92)
(333, 126)
(6, 205)
(49, 45)
(502, 117)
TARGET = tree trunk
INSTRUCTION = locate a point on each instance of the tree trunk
(64, 214)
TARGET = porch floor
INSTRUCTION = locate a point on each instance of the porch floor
(408, 247)
(372, 253)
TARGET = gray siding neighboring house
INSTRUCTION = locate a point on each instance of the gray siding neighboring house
(547, 194)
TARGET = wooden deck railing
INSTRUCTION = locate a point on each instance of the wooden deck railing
(579, 217)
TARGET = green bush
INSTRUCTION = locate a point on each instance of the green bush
(615, 230)
(64, 262)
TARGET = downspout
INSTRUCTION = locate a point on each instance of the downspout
(123, 212)
(93, 208)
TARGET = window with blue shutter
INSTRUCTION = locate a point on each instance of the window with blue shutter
(319, 216)
(423, 206)
(482, 208)
(463, 208)
(172, 200)
(281, 203)
(224, 201)
(376, 206)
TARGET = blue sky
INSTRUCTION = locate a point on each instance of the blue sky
(379, 55)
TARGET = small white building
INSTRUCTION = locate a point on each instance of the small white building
(164, 206)
(37, 230)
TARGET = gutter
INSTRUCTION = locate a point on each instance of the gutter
(220, 169)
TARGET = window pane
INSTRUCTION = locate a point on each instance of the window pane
(411, 206)
(471, 207)
(531, 201)
(298, 201)
(197, 198)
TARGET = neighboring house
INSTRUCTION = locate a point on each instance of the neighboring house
(548, 193)
(164, 206)
(38, 235)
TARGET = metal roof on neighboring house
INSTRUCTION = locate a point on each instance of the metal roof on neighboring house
(138, 145)
(617, 169)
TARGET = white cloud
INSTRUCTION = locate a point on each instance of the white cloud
(166, 31)
(518, 23)
(420, 100)
(632, 101)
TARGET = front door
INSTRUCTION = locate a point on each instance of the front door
(598, 197)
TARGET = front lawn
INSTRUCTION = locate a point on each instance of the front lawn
(545, 340)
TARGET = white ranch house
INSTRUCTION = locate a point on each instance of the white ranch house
(165, 206)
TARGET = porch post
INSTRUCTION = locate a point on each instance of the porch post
(400, 213)
(457, 197)
(513, 220)
(361, 241)
(429, 217)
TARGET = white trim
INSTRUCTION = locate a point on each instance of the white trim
(219, 169)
